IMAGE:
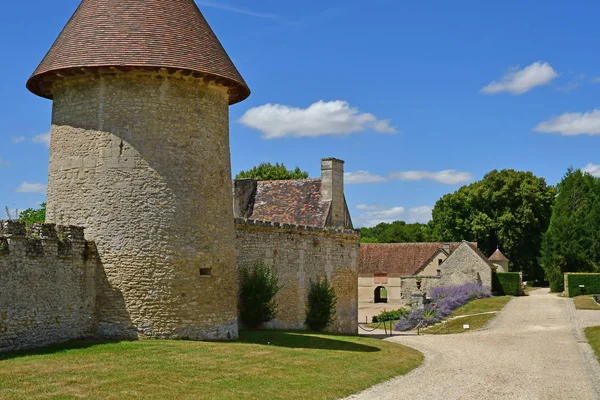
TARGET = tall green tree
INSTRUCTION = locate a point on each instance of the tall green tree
(33, 215)
(507, 209)
(397, 232)
(268, 172)
(572, 242)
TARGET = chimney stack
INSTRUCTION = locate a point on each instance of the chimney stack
(332, 189)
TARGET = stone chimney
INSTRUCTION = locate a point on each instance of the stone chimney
(332, 189)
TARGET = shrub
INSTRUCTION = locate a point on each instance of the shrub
(444, 299)
(258, 287)
(590, 281)
(506, 283)
(321, 305)
(390, 315)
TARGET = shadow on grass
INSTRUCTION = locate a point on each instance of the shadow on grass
(303, 340)
(56, 349)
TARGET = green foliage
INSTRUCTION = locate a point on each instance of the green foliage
(507, 208)
(393, 315)
(269, 172)
(572, 242)
(506, 284)
(397, 232)
(590, 281)
(321, 305)
(258, 287)
(33, 216)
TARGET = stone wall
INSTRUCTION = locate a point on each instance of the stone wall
(47, 285)
(141, 160)
(300, 254)
(465, 265)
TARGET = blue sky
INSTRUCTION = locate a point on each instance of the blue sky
(417, 97)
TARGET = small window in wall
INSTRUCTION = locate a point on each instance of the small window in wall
(440, 261)
(205, 272)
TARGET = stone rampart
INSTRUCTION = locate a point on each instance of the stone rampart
(47, 285)
(299, 254)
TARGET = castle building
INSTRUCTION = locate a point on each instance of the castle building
(139, 156)
(141, 239)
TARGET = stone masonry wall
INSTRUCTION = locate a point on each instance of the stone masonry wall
(464, 265)
(141, 160)
(299, 254)
(47, 285)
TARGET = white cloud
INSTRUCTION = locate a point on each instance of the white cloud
(226, 7)
(570, 124)
(520, 81)
(596, 79)
(17, 139)
(592, 169)
(362, 177)
(420, 214)
(43, 138)
(365, 207)
(321, 118)
(27, 187)
(4, 163)
(448, 177)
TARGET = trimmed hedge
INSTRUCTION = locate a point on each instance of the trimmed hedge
(590, 281)
(506, 283)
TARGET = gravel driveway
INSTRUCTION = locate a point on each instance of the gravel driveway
(533, 349)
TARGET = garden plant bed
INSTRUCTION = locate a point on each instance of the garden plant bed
(476, 314)
(263, 364)
(585, 302)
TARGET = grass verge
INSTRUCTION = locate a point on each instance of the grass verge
(475, 322)
(593, 337)
(585, 302)
(262, 365)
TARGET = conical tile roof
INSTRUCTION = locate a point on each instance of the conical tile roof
(498, 256)
(150, 34)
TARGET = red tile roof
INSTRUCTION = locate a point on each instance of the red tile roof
(498, 256)
(292, 202)
(397, 258)
(148, 34)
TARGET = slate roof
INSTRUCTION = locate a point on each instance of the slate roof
(397, 258)
(148, 34)
(292, 202)
(498, 256)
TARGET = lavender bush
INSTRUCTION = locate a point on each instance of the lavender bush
(444, 300)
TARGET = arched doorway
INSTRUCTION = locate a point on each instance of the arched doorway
(381, 295)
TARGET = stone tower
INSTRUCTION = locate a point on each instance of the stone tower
(139, 156)
(500, 261)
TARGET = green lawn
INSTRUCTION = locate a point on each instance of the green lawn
(262, 365)
(475, 322)
(585, 302)
(593, 337)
